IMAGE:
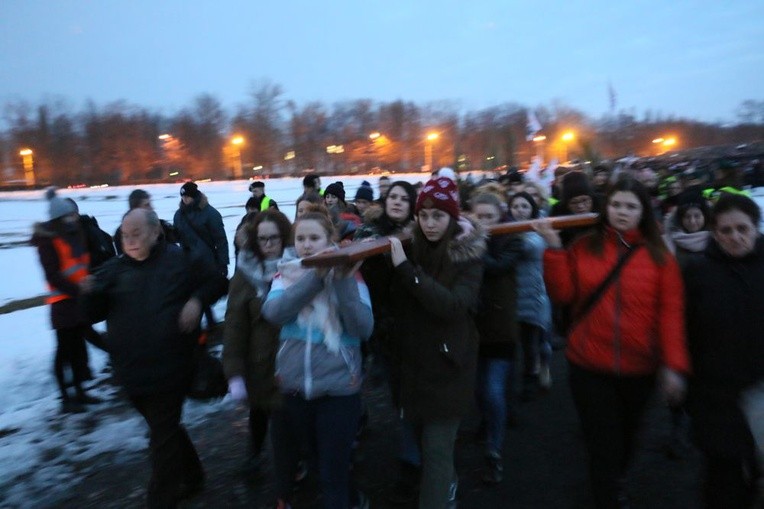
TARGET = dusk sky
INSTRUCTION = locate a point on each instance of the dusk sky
(695, 59)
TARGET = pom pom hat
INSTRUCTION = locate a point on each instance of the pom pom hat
(439, 193)
(57, 206)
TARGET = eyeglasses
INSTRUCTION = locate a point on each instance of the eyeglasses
(272, 239)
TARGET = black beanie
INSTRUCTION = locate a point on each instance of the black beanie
(365, 192)
(575, 183)
(337, 189)
(190, 189)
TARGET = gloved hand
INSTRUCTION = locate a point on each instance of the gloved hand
(237, 388)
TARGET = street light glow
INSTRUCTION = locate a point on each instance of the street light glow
(374, 135)
(164, 137)
(25, 152)
(668, 142)
(539, 138)
(658, 140)
(432, 136)
(237, 140)
(568, 136)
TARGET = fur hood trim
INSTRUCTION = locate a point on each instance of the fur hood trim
(372, 214)
(202, 202)
(470, 243)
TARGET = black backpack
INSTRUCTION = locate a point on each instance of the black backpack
(100, 244)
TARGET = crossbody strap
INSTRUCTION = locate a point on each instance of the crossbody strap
(597, 294)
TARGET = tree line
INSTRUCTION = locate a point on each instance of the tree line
(121, 143)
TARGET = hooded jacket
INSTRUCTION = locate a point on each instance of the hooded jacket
(141, 302)
(725, 319)
(201, 232)
(638, 323)
(323, 323)
(434, 327)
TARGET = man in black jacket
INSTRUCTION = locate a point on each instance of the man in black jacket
(151, 298)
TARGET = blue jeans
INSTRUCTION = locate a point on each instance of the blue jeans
(493, 375)
(329, 425)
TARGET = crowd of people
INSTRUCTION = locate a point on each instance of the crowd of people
(665, 290)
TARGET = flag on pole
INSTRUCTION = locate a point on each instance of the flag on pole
(611, 94)
(533, 126)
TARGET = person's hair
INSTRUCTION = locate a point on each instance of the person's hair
(648, 226)
(525, 196)
(695, 203)
(387, 225)
(283, 225)
(310, 181)
(538, 186)
(729, 202)
(311, 197)
(488, 198)
(433, 257)
(136, 197)
(321, 217)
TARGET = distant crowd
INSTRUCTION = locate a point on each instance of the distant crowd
(663, 289)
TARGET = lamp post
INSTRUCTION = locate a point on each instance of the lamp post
(236, 142)
(664, 144)
(567, 137)
(428, 151)
(28, 163)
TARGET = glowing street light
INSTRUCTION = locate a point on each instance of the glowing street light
(567, 137)
(28, 164)
(164, 137)
(374, 135)
(236, 143)
(431, 137)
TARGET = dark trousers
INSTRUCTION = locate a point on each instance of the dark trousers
(258, 428)
(329, 425)
(71, 352)
(730, 483)
(174, 462)
(610, 408)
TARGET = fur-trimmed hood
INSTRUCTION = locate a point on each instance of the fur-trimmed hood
(470, 243)
(200, 202)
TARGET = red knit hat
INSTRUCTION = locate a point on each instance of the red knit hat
(439, 193)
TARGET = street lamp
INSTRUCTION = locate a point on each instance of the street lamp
(28, 164)
(374, 135)
(567, 137)
(428, 151)
(236, 142)
(663, 144)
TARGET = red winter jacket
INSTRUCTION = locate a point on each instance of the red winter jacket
(638, 324)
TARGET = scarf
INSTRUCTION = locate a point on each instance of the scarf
(322, 312)
(692, 242)
(258, 274)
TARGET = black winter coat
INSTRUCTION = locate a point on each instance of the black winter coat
(433, 324)
(201, 232)
(725, 320)
(496, 317)
(141, 302)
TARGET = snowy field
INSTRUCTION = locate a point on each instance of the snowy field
(37, 444)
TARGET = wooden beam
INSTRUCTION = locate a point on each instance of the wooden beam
(361, 250)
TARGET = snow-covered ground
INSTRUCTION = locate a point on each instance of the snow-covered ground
(37, 443)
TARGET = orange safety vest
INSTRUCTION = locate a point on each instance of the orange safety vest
(75, 269)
